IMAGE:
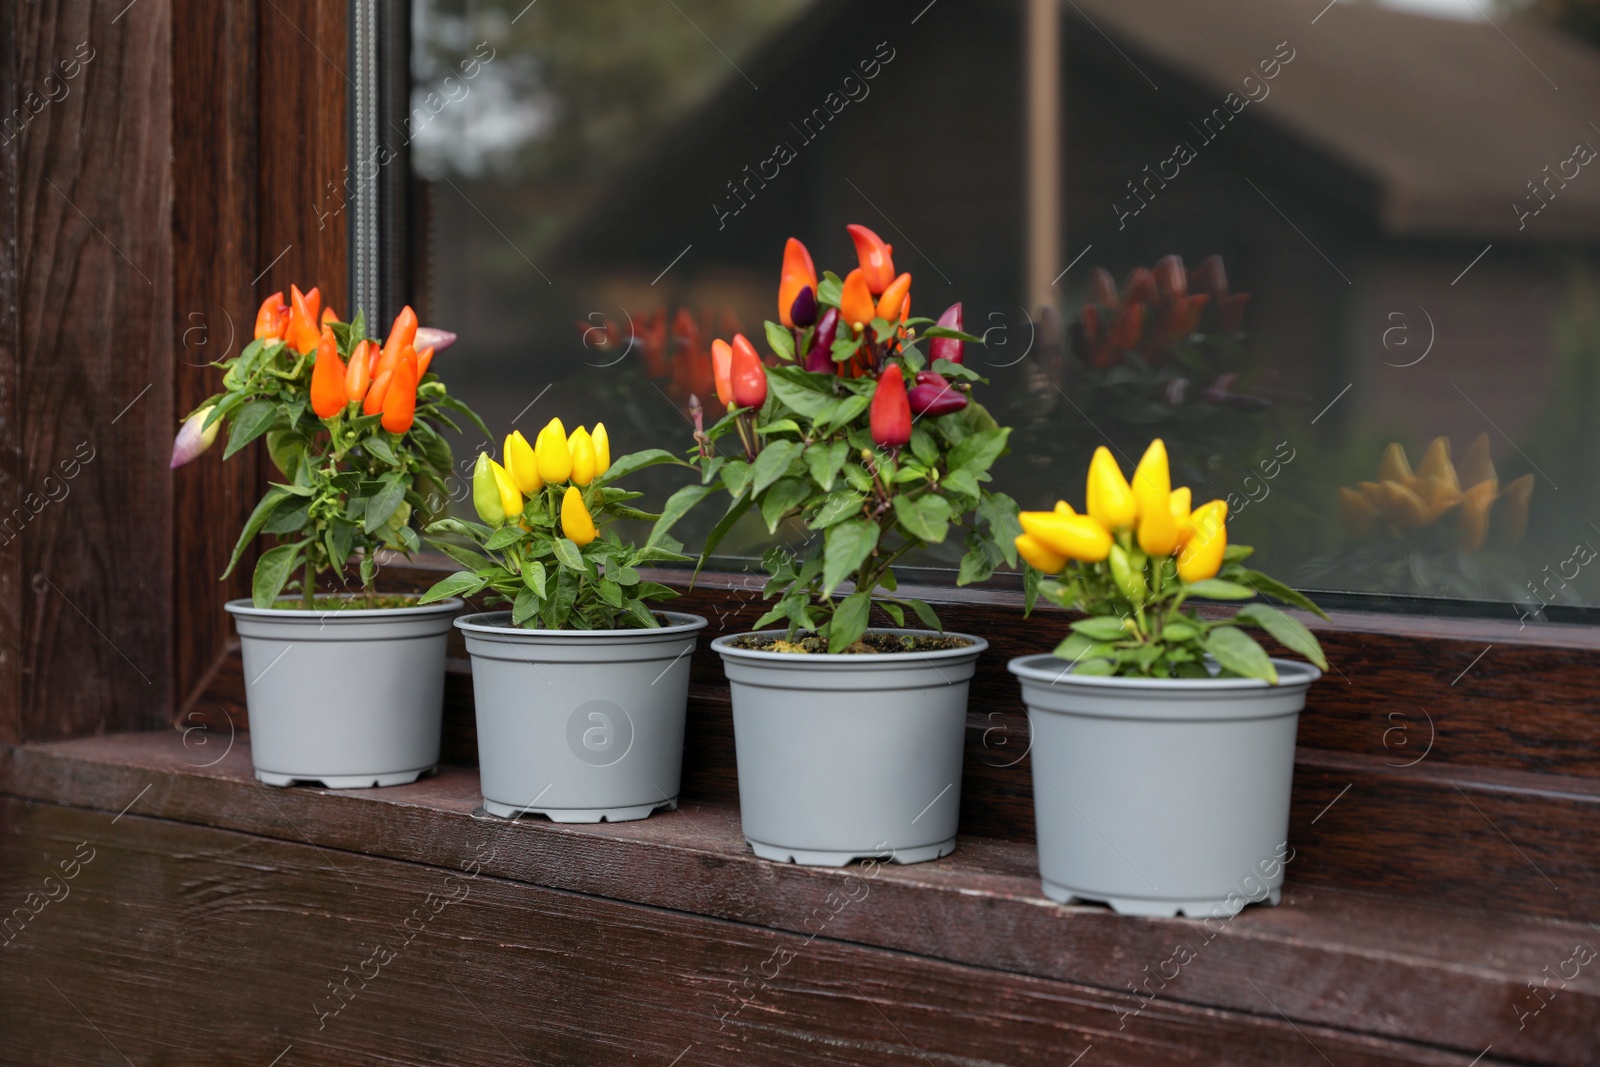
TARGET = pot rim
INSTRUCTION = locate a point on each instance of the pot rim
(246, 608)
(1032, 668)
(683, 623)
(723, 646)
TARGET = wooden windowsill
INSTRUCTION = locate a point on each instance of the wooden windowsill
(1331, 958)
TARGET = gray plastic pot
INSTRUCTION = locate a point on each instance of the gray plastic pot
(350, 698)
(1157, 795)
(580, 725)
(851, 756)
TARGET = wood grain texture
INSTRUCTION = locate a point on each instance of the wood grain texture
(215, 259)
(1326, 958)
(304, 93)
(87, 400)
(438, 964)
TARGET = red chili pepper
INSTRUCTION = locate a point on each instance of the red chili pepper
(898, 293)
(328, 393)
(877, 262)
(948, 347)
(891, 410)
(820, 359)
(400, 399)
(934, 396)
(272, 319)
(747, 375)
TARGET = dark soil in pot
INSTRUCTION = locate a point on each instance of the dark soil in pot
(871, 644)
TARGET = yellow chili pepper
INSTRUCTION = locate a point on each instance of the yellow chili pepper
(1178, 505)
(1064, 508)
(1201, 557)
(1076, 537)
(510, 498)
(521, 463)
(602, 449)
(576, 522)
(580, 447)
(1152, 489)
(1111, 501)
(1040, 555)
(486, 492)
(555, 462)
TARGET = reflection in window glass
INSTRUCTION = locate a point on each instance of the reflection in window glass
(1346, 261)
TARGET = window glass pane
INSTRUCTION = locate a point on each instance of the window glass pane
(1381, 345)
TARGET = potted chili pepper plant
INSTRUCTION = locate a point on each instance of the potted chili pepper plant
(581, 688)
(850, 735)
(1163, 741)
(343, 688)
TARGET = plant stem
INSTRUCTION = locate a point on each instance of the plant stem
(309, 584)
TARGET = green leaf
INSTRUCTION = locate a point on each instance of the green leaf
(252, 526)
(798, 398)
(339, 538)
(506, 535)
(964, 483)
(458, 406)
(678, 505)
(568, 556)
(272, 573)
(783, 496)
(847, 411)
(829, 289)
(849, 621)
(894, 611)
(847, 547)
(1235, 553)
(781, 426)
(1180, 630)
(1217, 589)
(824, 461)
(1000, 512)
(926, 517)
(978, 452)
(633, 461)
(923, 446)
(461, 554)
(929, 617)
(382, 504)
(1288, 630)
(1238, 652)
(290, 517)
(780, 340)
(462, 583)
(857, 476)
(1079, 648)
(771, 464)
(1101, 628)
(734, 513)
(253, 420)
(609, 591)
(558, 607)
(533, 575)
(1270, 586)
(379, 449)
(839, 506)
(525, 606)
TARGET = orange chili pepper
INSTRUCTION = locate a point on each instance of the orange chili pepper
(748, 376)
(856, 306)
(329, 315)
(424, 358)
(798, 273)
(272, 319)
(893, 297)
(400, 399)
(303, 335)
(359, 374)
(328, 393)
(402, 333)
(876, 257)
(722, 370)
